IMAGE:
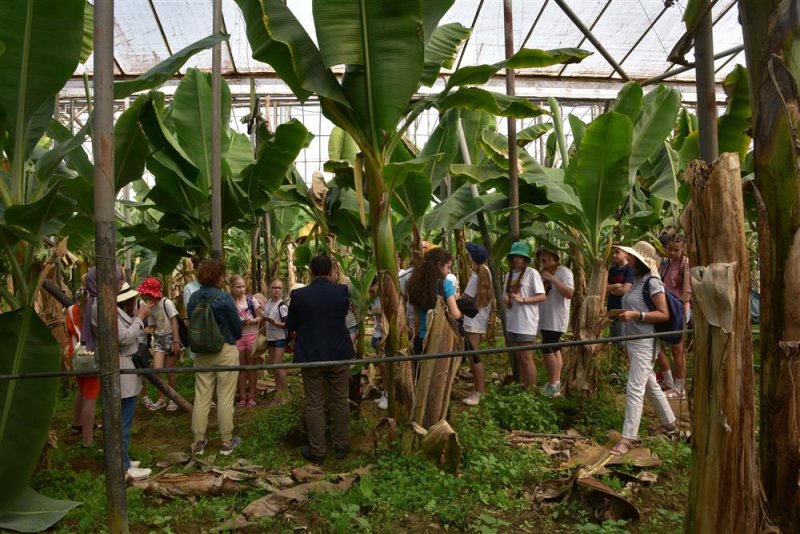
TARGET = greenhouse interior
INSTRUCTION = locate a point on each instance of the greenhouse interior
(411, 266)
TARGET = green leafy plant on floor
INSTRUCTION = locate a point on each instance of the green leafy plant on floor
(514, 408)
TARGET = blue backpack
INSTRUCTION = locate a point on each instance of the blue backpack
(675, 307)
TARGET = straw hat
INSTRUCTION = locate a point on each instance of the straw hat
(645, 253)
(520, 248)
(126, 293)
(544, 248)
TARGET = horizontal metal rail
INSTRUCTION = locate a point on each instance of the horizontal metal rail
(334, 363)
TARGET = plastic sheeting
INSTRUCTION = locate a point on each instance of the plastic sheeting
(639, 34)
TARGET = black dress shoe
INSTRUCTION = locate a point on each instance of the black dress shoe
(305, 450)
(342, 452)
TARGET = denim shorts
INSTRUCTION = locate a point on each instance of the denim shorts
(277, 343)
(514, 337)
(163, 343)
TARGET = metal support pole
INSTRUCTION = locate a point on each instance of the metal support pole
(592, 39)
(706, 90)
(678, 70)
(104, 197)
(513, 172)
(497, 281)
(216, 141)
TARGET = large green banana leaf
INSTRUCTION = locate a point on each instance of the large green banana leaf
(191, 114)
(735, 122)
(26, 406)
(629, 100)
(33, 512)
(43, 47)
(278, 38)
(167, 68)
(655, 123)
(457, 209)
(601, 179)
(441, 50)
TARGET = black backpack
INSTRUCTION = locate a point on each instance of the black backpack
(675, 308)
(205, 336)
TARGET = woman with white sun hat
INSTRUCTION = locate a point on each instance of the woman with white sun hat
(639, 319)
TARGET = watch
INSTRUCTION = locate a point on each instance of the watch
(641, 316)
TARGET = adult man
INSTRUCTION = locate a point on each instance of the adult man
(317, 315)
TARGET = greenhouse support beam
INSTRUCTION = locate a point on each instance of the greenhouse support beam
(592, 39)
(513, 172)
(105, 252)
(497, 283)
(706, 101)
(216, 133)
(678, 70)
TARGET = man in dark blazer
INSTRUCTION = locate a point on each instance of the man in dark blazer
(317, 316)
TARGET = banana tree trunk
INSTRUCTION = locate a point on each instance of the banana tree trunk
(724, 489)
(400, 378)
(579, 362)
(464, 262)
(770, 34)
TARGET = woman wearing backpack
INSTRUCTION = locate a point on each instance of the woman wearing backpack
(211, 275)
(250, 313)
(639, 319)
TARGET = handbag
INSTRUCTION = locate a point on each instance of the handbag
(85, 360)
(142, 356)
(467, 306)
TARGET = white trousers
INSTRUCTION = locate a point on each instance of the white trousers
(641, 382)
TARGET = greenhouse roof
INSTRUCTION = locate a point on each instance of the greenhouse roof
(637, 34)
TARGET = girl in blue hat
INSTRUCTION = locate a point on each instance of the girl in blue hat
(479, 288)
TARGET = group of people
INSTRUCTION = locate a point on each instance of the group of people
(321, 319)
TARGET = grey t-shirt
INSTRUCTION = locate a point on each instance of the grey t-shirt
(634, 300)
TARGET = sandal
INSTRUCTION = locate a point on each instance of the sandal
(242, 404)
(675, 394)
(622, 447)
(251, 403)
(669, 430)
(160, 403)
(148, 403)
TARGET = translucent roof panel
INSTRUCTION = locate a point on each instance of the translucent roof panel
(638, 34)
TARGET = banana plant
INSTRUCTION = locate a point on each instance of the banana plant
(176, 142)
(389, 49)
(42, 187)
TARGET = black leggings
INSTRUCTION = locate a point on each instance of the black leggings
(548, 336)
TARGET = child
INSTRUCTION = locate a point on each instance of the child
(559, 284)
(250, 313)
(479, 288)
(164, 321)
(674, 272)
(275, 312)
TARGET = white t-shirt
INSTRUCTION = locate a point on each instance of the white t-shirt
(554, 311)
(188, 289)
(479, 323)
(524, 318)
(161, 320)
(277, 310)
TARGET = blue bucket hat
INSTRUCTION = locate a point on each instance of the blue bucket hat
(478, 253)
(520, 248)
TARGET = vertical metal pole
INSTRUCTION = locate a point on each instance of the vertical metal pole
(497, 280)
(706, 94)
(104, 196)
(513, 173)
(268, 218)
(126, 215)
(216, 141)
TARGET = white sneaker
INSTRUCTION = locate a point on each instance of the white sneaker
(473, 399)
(383, 403)
(135, 463)
(556, 389)
(138, 473)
